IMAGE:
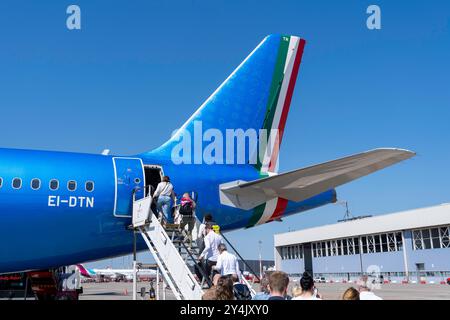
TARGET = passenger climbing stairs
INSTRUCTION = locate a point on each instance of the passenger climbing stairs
(176, 257)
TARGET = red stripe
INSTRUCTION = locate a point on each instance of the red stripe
(279, 210)
(287, 102)
(274, 156)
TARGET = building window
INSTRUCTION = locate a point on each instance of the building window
(35, 184)
(334, 248)
(89, 186)
(391, 242)
(344, 247)
(339, 247)
(377, 243)
(17, 183)
(435, 240)
(54, 184)
(72, 185)
(426, 238)
(371, 244)
(364, 244)
(318, 251)
(296, 254)
(417, 238)
(445, 239)
(399, 241)
(357, 245)
(324, 249)
(328, 243)
(351, 246)
(384, 243)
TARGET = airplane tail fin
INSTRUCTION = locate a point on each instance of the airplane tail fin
(83, 271)
(255, 97)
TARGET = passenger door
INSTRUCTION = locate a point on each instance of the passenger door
(129, 176)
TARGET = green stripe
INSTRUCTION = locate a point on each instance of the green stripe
(274, 93)
(257, 213)
(276, 82)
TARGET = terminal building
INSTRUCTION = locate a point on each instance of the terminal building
(411, 246)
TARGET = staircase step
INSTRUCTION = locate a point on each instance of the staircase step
(170, 256)
(192, 251)
(172, 227)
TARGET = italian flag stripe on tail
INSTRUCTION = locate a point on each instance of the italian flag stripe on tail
(289, 57)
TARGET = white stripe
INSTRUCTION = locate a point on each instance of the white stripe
(289, 65)
(268, 152)
(292, 47)
(271, 205)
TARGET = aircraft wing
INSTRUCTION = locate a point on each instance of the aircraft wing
(305, 183)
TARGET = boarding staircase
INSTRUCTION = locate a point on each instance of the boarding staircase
(176, 258)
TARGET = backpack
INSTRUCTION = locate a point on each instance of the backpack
(241, 292)
(186, 209)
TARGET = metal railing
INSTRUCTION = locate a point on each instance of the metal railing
(240, 257)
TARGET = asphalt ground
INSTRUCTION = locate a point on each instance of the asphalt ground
(330, 291)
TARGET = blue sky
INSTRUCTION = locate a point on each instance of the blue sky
(138, 69)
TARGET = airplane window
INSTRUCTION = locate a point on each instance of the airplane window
(35, 184)
(17, 183)
(72, 185)
(137, 180)
(89, 186)
(54, 184)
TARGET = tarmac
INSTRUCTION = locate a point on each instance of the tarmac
(334, 291)
(120, 291)
(329, 291)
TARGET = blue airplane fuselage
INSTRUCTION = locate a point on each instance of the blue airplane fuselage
(44, 228)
